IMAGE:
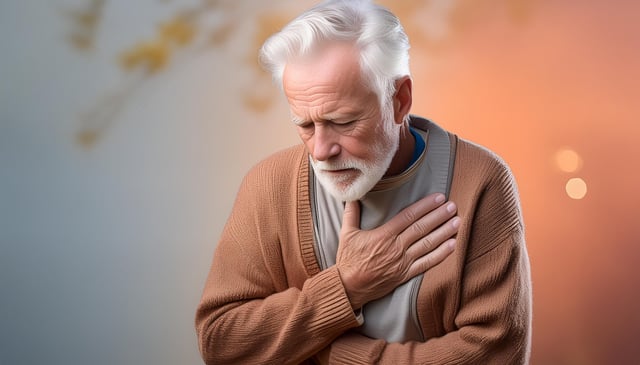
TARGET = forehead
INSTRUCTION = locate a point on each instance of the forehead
(334, 65)
(329, 76)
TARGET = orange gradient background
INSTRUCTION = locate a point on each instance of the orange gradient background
(564, 76)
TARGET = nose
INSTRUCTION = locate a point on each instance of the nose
(325, 144)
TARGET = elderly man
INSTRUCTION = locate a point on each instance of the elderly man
(382, 238)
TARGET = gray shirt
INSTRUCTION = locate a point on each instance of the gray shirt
(393, 317)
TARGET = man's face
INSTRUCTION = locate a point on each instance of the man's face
(340, 121)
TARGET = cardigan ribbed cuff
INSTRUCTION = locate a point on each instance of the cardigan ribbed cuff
(334, 312)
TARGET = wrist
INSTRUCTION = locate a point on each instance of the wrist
(347, 280)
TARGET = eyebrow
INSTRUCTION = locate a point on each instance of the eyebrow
(297, 120)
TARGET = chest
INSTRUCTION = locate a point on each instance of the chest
(393, 317)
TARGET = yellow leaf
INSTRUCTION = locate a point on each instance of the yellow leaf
(178, 31)
(152, 55)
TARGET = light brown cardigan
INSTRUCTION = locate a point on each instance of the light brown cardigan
(266, 301)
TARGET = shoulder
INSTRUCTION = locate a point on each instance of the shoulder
(470, 153)
(278, 167)
(469, 156)
(478, 165)
(277, 174)
(268, 189)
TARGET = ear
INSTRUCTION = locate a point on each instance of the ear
(402, 99)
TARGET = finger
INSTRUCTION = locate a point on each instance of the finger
(351, 216)
(412, 213)
(426, 224)
(434, 239)
(431, 259)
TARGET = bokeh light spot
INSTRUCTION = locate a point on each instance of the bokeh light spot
(568, 160)
(576, 188)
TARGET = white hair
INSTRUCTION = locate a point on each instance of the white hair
(374, 30)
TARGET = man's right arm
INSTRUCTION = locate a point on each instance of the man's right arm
(249, 313)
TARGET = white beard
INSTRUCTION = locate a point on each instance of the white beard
(347, 188)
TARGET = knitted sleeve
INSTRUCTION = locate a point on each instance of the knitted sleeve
(250, 312)
(491, 312)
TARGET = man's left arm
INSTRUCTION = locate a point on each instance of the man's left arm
(493, 321)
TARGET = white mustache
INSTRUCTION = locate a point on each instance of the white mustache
(338, 165)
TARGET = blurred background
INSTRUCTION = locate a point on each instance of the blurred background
(125, 130)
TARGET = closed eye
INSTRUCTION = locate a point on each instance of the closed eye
(346, 126)
(305, 125)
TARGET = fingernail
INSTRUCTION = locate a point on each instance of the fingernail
(439, 198)
(451, 207)
(455, 222)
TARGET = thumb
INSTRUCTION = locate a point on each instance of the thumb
(351, 216)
